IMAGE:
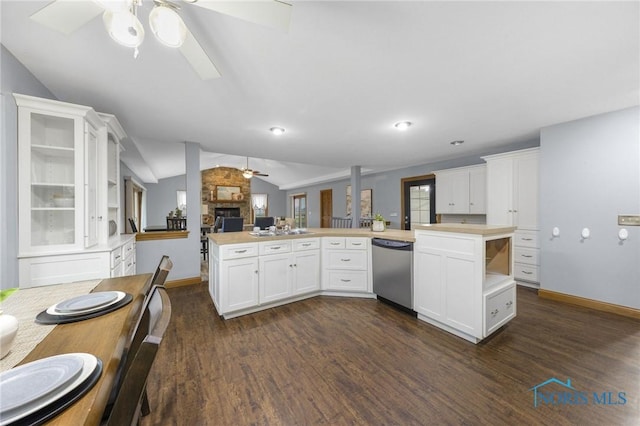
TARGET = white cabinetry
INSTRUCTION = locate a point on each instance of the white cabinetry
(346, 264)
(461, 190)
(115, 135)
(512, 199)
(463, 283)
(62, 170)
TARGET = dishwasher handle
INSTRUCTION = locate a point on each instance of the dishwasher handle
(392, 244)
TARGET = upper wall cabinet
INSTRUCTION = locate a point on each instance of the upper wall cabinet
(461, 190)
(59, 175)
(512, 189)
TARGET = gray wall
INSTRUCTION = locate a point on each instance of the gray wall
(162, 198)
(277, 199)
(589, 174)
(15, 79)
(385, 186)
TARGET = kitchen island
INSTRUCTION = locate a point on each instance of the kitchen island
(463, 274)
(463, 278)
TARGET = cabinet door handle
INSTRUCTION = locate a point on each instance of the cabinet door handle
(241, 251)
(345, 260)
(509, 303)
(345, 281)
(118, 257)
(290, 266)
(494, 312)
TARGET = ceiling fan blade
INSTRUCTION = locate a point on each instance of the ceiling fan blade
(259, 174)
(67, 16)
(270, 13)
(197, 57)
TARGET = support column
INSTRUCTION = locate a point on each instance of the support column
(355, 195)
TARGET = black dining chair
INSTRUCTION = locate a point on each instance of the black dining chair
(131, 401)
(232, 224)
(264, 222)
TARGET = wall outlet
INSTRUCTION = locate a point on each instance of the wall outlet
(629, 219)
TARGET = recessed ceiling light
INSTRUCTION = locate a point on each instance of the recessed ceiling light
(456, 143)
(276, 130)
(402, 125)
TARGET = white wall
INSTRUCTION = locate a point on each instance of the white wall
(589, 174)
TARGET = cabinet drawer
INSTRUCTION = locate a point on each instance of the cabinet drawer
(116, 257)
(346, 259)
(274, 247)
(526, 272)
(529, 256)
(127, 249)
(237, 251)
(526, 239)
(356, 243)
(500, 307)
(333, 242)
(347, 280)
(306, 244)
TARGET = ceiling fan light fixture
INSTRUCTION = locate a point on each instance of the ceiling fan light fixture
(277, 130)
(124, 27)
(167, 25)
(248, 174)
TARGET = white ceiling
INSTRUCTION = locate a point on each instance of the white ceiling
(490, 73)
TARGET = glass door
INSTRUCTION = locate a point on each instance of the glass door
(299, 206)
(419, 202)
(53, 180)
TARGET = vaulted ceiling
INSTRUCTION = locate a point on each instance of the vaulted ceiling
(488, 73)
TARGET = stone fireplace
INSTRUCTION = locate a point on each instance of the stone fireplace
(240, 206)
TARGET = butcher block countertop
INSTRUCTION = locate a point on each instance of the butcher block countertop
(246, 237)
(465, 228)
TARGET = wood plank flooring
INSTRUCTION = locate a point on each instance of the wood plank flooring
(343, 361)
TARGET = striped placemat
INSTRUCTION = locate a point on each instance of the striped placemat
(25, 304)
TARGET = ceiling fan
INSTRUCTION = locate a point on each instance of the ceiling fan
(123, 24)
(249, 173)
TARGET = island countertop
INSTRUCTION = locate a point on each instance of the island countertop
(246, 237)
(466, 228)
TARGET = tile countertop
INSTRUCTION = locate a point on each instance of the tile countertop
(244, 237)
(465, 228)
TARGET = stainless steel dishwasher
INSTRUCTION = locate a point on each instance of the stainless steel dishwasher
(393, 271)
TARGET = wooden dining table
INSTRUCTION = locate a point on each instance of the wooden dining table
(105, 337)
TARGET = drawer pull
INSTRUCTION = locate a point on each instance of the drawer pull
(345, 260)
(526, 239)
(118, 257)
(335, 244)
(526, 255)
(344, 280)
(241, 251)
(527, 272)
(494, 312)
(356, 244)
(275, 248)
(509, 303)
(306, 244)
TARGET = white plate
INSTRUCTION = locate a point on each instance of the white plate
(32, 403)
(87, 301)
(53, 310)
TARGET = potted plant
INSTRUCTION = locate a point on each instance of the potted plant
(178, 212)
(378, 223)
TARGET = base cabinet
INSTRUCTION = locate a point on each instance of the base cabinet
(346, 264)
(463, 283)
(242, 289)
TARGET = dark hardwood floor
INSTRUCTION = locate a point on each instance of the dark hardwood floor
(343, 361)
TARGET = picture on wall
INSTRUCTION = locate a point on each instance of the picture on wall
(226, 193)
(365, 202)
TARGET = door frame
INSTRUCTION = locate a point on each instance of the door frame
(404, 181)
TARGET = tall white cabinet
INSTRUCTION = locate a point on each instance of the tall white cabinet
(512, 199)
(461, 190)
(63, 216)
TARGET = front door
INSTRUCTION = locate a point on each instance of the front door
(326, 208)
(418, 201)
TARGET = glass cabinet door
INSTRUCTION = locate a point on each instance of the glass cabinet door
(53, 200)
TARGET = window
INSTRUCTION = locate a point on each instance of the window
(259, 206)
(299, 210)
(181, 201)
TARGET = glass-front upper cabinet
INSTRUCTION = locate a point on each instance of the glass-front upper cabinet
(53, 141)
